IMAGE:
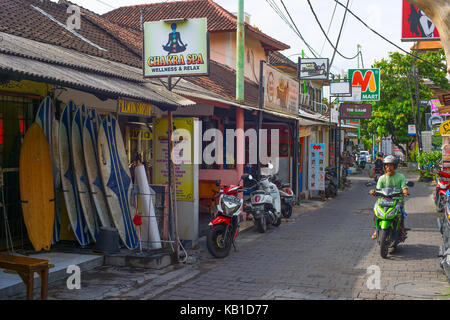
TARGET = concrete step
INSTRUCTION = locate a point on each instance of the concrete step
(148, 260)
(12, 286)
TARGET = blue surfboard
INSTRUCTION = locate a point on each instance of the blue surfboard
(90, 142)
(81, 178)
(71, 198)
(116, 178)
(45, 118)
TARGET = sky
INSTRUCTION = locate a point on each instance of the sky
(384, 16)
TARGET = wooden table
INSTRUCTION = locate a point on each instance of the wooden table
(26, 267)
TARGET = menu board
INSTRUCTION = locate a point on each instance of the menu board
(317, 167)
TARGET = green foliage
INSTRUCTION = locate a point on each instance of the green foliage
(426, 160)
(393, 113)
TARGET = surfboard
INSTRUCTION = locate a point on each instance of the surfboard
(90, 139)
(81, 178)
(116, 179)
(45, 118)
(36, 188)
(71, 198)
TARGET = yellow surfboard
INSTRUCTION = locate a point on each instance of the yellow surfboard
(36, 188)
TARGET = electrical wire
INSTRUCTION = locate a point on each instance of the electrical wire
(392, 43)
(340, 33)
(329, 26)
(326, 36)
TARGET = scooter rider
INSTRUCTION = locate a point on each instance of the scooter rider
(379, 162)
(393, 180)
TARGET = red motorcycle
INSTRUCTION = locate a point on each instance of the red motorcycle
(442, 185)
(224, 228)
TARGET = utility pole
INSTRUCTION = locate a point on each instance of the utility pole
(240, 52)
(416, 83)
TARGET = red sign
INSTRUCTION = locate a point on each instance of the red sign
(416, 25)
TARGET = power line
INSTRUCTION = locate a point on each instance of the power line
(326, 36)
(384, 38)
(329, 26)
(340, 32)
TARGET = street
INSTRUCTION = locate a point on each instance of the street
(324, 253)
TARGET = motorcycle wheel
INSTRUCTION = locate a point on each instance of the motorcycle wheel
(384, 246)
(215, 243)
(277, 222)
(261, 224)
(287, 212)
(440, 203)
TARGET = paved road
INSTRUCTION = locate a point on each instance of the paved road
(321, 254)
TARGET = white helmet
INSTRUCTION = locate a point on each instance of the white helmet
(390, 159)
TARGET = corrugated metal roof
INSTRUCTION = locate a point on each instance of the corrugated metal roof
(90, 82)
(81, 71)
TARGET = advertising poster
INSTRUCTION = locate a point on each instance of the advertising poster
(416, 25)
(280, 92)
(184, 172)
(175, 48)
(313, 69)
(317, 167)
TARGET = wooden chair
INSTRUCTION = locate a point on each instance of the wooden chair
(25, 268)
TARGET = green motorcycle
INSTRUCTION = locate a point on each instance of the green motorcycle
(388, 217)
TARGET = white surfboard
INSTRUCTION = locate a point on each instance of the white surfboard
(90, 139)
(74, 210)
(149, 226)
(116, 178)
(81, 178)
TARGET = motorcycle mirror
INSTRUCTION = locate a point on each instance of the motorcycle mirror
(270, 165)
(218, 183)
(246, 176)
(410, 184)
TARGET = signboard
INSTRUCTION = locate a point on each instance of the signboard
(134, 108)
(416, 25)
(356, 111)
(281, 92)
(369, 80)
(317, 167)
(411, 130)
(176, 48)
(313, 69)
(305, 131)
(434, 121)
(446, 152)
(184, 172)
(340, 89)
(444, 129)
(355, 97)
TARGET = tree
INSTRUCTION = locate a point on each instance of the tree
(394, 112)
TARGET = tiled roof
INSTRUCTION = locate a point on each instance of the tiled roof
(219, 19)
(45, 21)
(222, 80)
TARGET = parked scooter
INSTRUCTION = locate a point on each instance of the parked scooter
(444, 228)
(266, 203)
(287, 197)
(224, 228)
(388, 217)
(442, 185)
(331, 183)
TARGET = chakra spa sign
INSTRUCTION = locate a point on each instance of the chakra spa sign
(176, 48)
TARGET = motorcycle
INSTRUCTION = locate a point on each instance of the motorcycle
(287, 197)
(444, 228)
(378, 174)
(388, 216)
(224, 228)
(331, 183)
(266, 204)
(442, 185)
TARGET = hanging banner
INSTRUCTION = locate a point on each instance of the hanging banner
(176, 48)
(184, 172)
(313, 69)
(369, 80)
(416, 25)
(317, 166)
(281, 92)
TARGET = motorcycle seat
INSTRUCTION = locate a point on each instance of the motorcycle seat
(260, 192)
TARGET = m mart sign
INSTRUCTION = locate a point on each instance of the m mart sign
(369, 80)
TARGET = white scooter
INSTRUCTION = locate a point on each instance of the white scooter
(266, 203)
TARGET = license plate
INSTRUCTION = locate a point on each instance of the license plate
(387, 202)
